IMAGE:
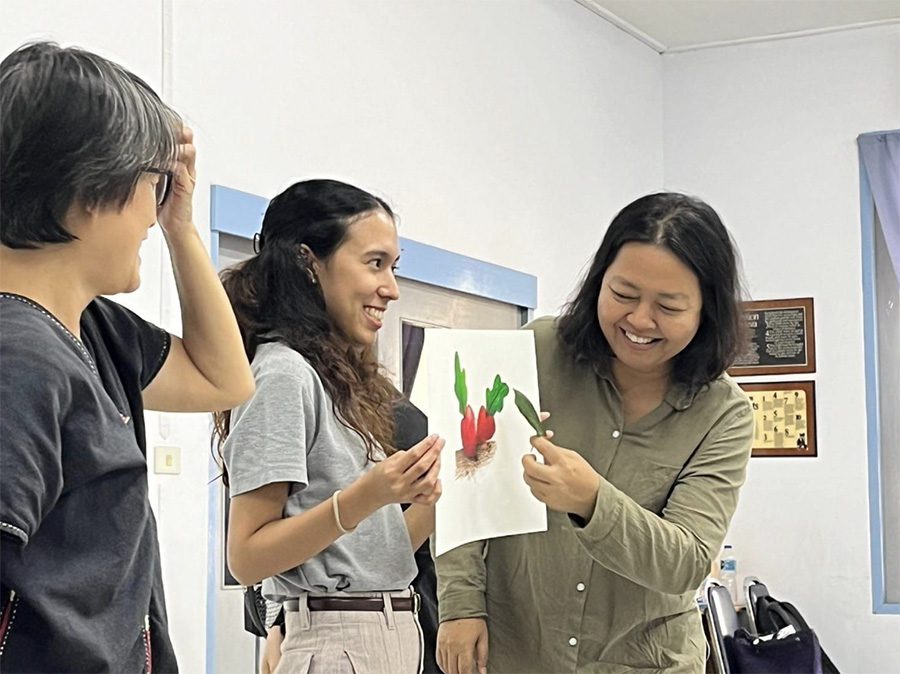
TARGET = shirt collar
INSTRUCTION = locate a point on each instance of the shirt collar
(679, 396)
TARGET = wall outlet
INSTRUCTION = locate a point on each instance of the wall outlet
(167, 460)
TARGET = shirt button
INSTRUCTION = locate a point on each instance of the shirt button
(616, 434)
(573, 641)
(580, 587)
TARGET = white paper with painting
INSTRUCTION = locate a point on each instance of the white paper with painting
(464, 385)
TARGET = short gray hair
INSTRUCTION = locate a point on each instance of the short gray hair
(76, 127)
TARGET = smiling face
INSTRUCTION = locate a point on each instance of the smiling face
(110, 238)
(357, 280)
(649, 308)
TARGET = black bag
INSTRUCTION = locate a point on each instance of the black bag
(254, 610)
(798, 653)
(773, 615)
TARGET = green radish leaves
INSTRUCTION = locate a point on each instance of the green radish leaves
(528, 411)
(494, 396)
(459, 385)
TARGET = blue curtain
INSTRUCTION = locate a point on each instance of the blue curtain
(880, 155)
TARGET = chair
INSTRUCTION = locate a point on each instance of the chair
(722, 622)
(753, 590)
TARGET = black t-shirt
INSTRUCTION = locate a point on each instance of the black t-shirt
(79, 557)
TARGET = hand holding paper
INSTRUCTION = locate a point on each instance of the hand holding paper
(411, 476)
(565, 482)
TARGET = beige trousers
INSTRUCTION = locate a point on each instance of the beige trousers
(350, 642)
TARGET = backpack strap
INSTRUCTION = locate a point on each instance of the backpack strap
(793, 616)
(764, 621)
(773, 615)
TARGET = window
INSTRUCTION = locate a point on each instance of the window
(880, 196)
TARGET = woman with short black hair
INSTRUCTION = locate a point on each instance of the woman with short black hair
(91, 160)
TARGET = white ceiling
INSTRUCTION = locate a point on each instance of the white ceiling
(679, 25)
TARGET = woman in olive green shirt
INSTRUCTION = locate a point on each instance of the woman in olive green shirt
(641, 477)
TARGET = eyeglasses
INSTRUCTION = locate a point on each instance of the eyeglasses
(163, 185)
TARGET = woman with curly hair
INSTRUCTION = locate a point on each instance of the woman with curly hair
(316, 485)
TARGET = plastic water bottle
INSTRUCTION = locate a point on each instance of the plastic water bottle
(728, 572)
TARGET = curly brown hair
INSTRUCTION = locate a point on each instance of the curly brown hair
(275, 300)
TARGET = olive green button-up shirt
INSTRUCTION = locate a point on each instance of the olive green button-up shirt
(618, 593)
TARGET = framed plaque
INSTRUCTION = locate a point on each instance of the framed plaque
(784, 414)
(782, 338)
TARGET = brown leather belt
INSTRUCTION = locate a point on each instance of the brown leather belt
(362, 603)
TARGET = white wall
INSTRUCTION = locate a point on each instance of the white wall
(767, 134)
(510, 131)
(491, 126)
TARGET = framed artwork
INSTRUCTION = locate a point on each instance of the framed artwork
(782, 338)
(784, 418)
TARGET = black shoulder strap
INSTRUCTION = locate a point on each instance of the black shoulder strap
(773, 615)
(793, 616)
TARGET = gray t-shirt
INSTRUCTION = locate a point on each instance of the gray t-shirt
(288, 432)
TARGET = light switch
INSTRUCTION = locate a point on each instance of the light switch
(167, 460)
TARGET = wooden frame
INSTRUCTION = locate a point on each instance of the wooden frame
(778, 349)
(777, 401)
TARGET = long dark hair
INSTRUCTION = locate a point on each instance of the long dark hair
(275, 299)
(694, 233)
